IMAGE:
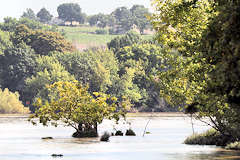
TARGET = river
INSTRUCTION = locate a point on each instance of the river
(20, 140)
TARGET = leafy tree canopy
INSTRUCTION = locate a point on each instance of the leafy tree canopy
(44, 15)
(72, 105)
(70, 12)
(29, 14)
(122, 41)
(203, 74)
(41, 41)
(17, 63)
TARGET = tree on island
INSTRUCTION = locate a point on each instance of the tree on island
(70, 12)
(71, 104)
(44, 15)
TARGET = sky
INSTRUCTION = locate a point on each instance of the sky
(15, 8)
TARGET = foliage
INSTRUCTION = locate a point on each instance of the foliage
(100, 20)
(123, 18)
(71, 103)
(210, 137)
(41, 41)
(17, 63)
(70, 12)
(48, 71)
(10, 24)
(29, 14)
(130, 132)
(4, 41)
(9, 102)
(44, 15)
(233, 146)
(140, 14)
(98, 67)
(122, 41)
(144, 60)
(101, 31)
(203, 72)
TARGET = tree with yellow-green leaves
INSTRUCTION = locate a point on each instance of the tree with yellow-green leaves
(72, 105)
(202, 59)
(10, 103)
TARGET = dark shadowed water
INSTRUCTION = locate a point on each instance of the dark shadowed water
(19, 140)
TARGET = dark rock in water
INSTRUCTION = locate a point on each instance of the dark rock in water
(105, 137)
(57, 155)
(130, 132)
(119, 133)
(47, 137)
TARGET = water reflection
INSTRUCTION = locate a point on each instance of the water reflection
(19, 140)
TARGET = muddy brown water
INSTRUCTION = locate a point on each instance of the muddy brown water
(20, 140)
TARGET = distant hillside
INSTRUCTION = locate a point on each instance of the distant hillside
(84, 37)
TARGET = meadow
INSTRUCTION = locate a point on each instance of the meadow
(84, 37)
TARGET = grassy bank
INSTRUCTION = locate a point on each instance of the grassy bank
(212, 137)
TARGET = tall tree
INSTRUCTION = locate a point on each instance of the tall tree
(29, 14)
(44, 15)
(203, 75)
(123, 18)
(70, 12)
(139, 14)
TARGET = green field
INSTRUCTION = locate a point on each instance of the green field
(84, 37)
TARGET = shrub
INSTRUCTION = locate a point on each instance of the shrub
(101, 31)
(119, 133)
(234, 146)
(105, 137)
(10, 103)
(130, 132)
(210, 137)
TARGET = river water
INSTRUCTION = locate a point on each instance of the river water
(20, 140)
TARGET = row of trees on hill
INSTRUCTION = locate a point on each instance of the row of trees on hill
(34, 56)
(120, 20)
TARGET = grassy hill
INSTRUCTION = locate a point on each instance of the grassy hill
(84, 37)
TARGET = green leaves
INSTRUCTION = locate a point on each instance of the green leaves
(71, 104)
(203, 73)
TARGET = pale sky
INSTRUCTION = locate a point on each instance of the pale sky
(15, 8)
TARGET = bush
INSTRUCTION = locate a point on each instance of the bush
(130, 132)
(233, 146)
(101, 31)
(119, 133)
(105, 137)
(210, 137)
(9, 103)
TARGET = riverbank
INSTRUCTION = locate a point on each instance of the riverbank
(14, 115)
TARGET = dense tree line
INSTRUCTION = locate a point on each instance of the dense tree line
(120, 21)
(33, 56)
